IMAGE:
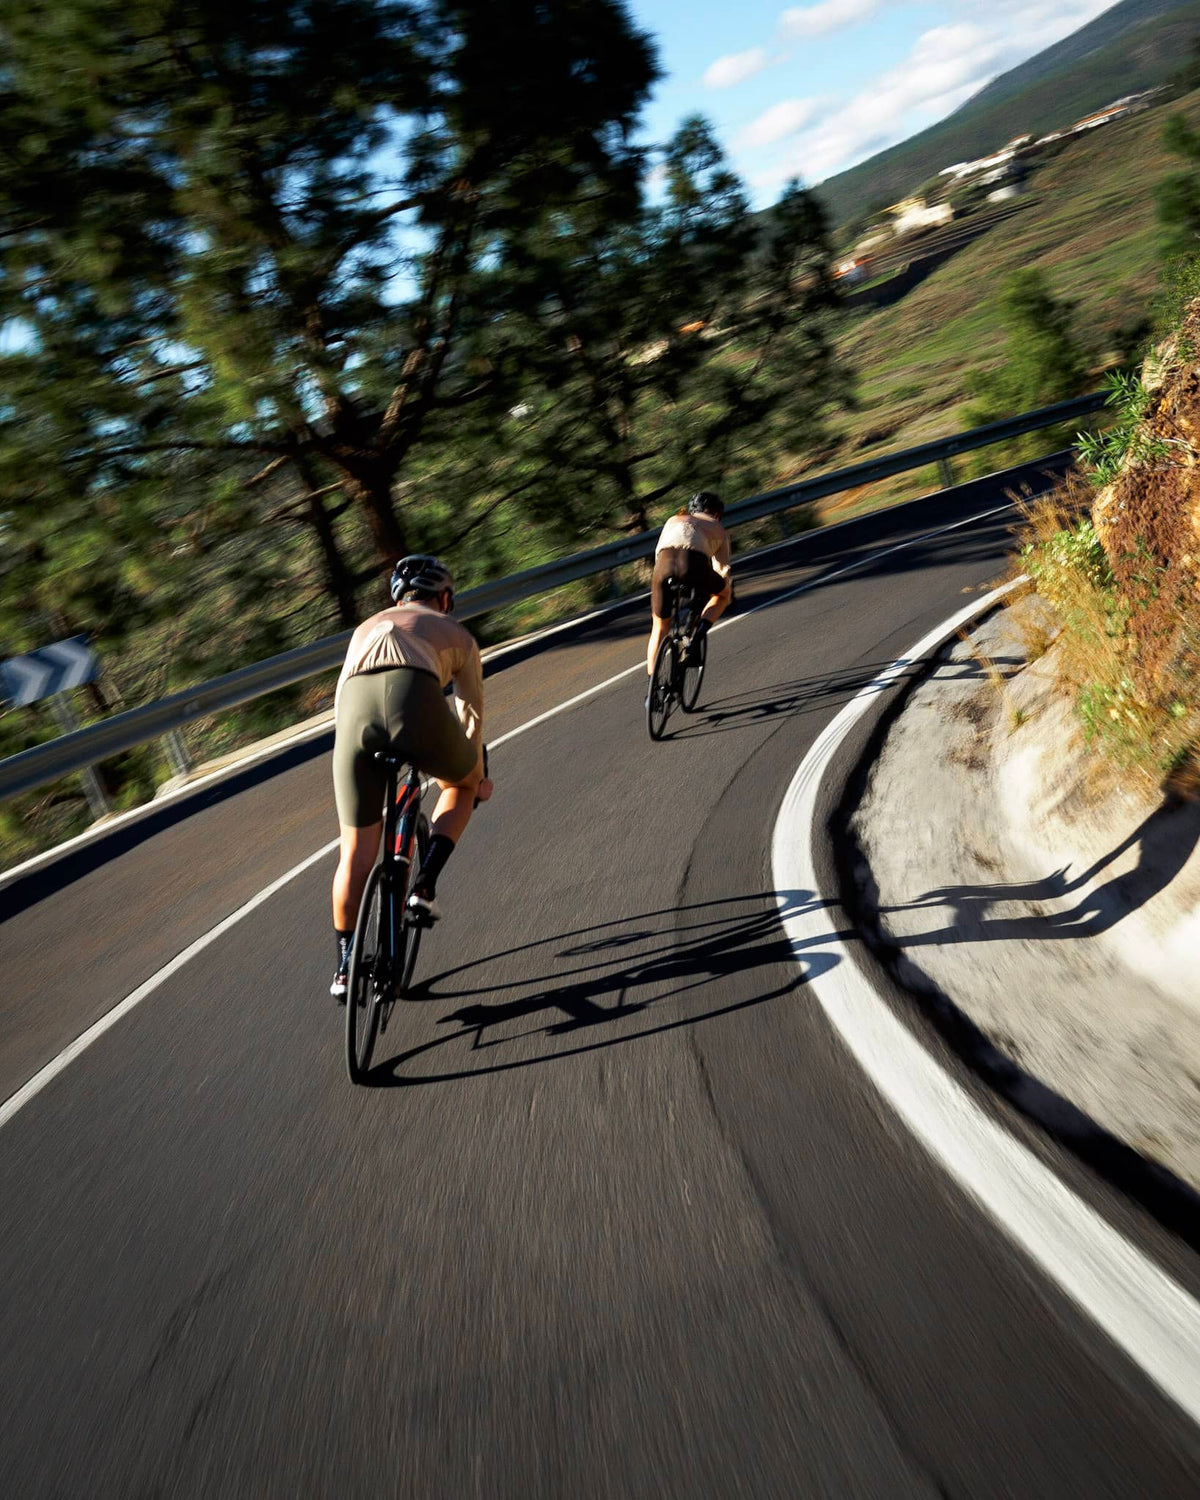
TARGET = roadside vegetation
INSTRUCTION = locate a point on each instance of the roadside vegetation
(1116, 553)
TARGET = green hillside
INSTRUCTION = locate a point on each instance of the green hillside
(1135, 45)
(1088, 225)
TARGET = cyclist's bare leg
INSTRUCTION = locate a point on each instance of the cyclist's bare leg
(359, 847)
(457, 801)
(718, 604)
(658, 629)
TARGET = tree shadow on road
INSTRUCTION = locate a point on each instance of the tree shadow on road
(595, 979)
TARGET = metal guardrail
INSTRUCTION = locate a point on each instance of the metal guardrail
(76, 751)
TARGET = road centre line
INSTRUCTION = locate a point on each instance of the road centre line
(1143, 1311)
(49, 1071)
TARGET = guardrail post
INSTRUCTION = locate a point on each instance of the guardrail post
(946, 473)
(177, 752)
(614, 587)
(97, 801)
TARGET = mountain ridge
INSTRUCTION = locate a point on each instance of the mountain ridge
(1134, 45)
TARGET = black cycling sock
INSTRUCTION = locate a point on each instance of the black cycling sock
(344, 939)
(440, 850)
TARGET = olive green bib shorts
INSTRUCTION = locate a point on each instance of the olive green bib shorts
(402, 709)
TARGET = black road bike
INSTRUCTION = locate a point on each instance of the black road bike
(679, 663)
(386, 937)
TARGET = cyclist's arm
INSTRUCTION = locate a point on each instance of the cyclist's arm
(722, 560)
(468, 690)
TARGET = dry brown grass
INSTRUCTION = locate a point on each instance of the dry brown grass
(1129, 657)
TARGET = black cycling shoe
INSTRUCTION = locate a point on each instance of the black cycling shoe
(691, 650)
(422, 910)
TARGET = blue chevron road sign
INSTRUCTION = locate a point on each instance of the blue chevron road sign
(51, 669)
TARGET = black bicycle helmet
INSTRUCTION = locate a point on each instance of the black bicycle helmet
(421, 573)
(706, 502)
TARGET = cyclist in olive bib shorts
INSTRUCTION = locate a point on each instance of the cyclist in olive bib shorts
(391, 695)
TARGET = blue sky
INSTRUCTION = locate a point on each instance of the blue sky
(807, 90)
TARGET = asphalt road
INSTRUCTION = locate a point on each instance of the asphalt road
(620, 1216)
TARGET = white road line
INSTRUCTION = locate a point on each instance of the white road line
(110, 1018)
(81, 1043)
(1145, 1313)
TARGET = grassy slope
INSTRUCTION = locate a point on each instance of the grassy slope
(1092, 230)
(1043, 94)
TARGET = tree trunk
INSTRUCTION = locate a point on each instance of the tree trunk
(371, 491)
(338, 578)
(636, 519)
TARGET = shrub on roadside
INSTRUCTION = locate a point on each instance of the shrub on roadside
(1148, 724)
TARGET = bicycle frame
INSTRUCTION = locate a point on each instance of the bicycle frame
(401, 806)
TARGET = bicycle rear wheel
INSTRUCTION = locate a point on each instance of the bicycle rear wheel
(662, 689)
(369, 979)
(412, 932)
(693, 672)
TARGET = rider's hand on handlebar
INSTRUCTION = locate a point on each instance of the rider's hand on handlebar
(486, 787)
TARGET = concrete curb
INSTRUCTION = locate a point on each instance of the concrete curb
(1143, 1310)
(1172, 1201)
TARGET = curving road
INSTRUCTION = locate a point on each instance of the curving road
(621, 1218)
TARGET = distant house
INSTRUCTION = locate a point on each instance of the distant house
(1128, 104)
(912, 214)
(862, 250)
(997, 161)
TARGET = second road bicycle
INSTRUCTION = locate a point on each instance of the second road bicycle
(678, 664)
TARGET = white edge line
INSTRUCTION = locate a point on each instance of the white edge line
(110, 1018)
(1143, 1311)
(82, 1042)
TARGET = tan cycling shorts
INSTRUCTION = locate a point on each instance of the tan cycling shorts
(402, 709)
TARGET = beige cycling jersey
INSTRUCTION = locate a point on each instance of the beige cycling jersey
(415, 635)
(700, 534)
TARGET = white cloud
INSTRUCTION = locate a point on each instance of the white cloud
(947, 63)
(736, 67)
(778, 122)
(824, 17)
(945, 67)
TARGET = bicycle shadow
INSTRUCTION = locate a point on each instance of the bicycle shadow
(636, 966)
(806, 694)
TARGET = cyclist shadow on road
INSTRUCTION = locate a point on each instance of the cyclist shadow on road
(1164, 841)
(803, 695)
(649, 967)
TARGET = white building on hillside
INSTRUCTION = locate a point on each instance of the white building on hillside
(911, 214)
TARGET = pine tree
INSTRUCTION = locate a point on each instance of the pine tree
(255, 235)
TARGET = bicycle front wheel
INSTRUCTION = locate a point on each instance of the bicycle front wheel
(369, 979)
(693, 672)
(662, 689)
(412, 932)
